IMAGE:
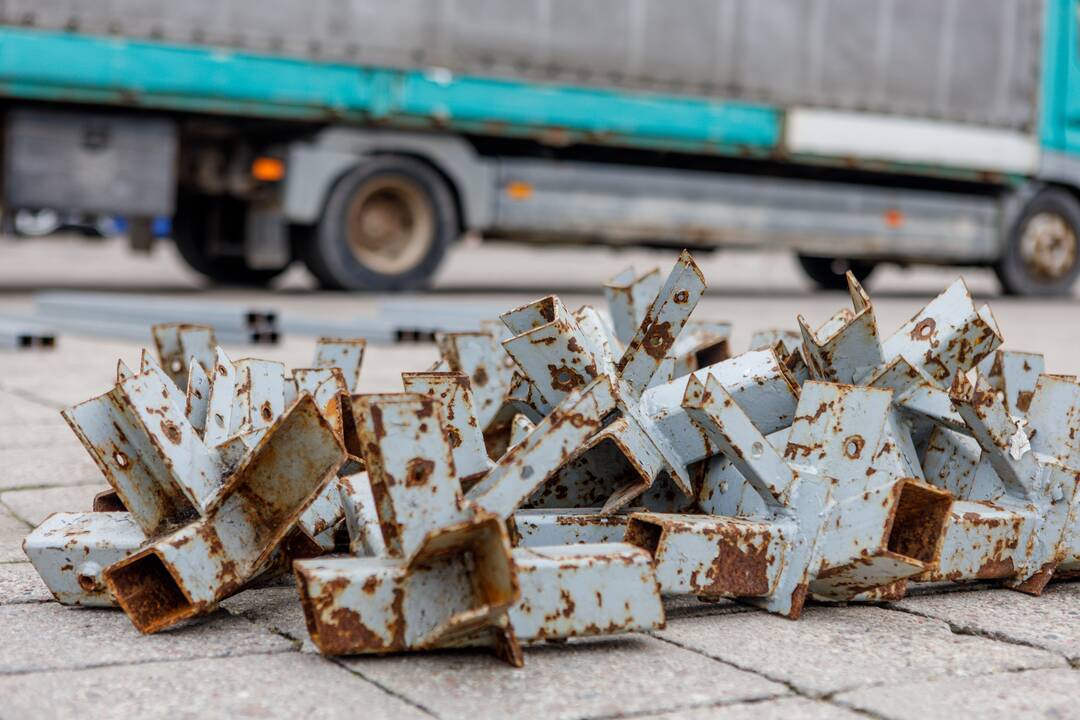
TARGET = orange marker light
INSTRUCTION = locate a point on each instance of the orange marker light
(267, 169)
(519, 190)
(894, 218)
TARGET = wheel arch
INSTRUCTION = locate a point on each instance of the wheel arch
(315, 169)
(329, 253)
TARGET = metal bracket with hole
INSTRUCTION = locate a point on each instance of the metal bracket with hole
(447, 576)
(187, 572)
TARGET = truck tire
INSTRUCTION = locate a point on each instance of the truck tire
(828, 273)
(200, 217)
(385, 227)
(1042, 254)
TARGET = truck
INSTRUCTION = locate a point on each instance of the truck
(364, 137)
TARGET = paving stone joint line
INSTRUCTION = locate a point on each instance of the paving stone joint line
(31, 396)
(298, 643)
(147, 661)
(968, 631)
(393, 693)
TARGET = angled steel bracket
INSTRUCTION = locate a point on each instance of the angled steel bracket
(832, 517)
(187, 572)
(178, 343)
(1013, 521)
(448, 577)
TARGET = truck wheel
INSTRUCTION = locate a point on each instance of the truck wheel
(1041, 256)
(828, 273)
(198, 220)
(385, 227)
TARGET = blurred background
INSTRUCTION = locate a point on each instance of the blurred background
(490, 151)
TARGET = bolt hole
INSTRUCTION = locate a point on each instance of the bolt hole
(924, 329)
(121, 459)
(853, 446)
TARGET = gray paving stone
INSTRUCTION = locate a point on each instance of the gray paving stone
(833, 649)
(598, 677)
(287, 685)
(38, 435)
(20, 583)
(66, 386)
(788, 708)
(12, 532)
(1050, 621)
(33, 506)
(16, 410)
(67, 376)
(275, 608)
(35, 467)
(48, 636)
(1014, 696)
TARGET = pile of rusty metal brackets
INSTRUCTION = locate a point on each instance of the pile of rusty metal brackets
(557, 472)
(833, 463)
(211, 486)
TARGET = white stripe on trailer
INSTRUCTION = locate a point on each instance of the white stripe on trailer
(909, 140)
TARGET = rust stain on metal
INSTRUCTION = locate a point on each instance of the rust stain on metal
(658, 339)
(171, 431)
(739, 571)
(418, 472)
(995, 567)
(565, 378)
(924, 330)
(1023, 400)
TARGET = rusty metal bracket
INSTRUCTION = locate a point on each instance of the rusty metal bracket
(71, 550)
(833, 518)
(629, 296)
(179, 343)
(144, 436)
(345, 354)
(187, 572)
(140, 438)
(448, 577)
(454, 392)
(1013, 521)
(656, 437)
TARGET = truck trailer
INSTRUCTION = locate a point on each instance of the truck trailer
(363, 137)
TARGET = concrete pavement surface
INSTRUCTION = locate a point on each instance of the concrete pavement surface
(979, 653)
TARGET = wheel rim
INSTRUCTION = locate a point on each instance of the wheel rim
(1048, 247)
(389, 225)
